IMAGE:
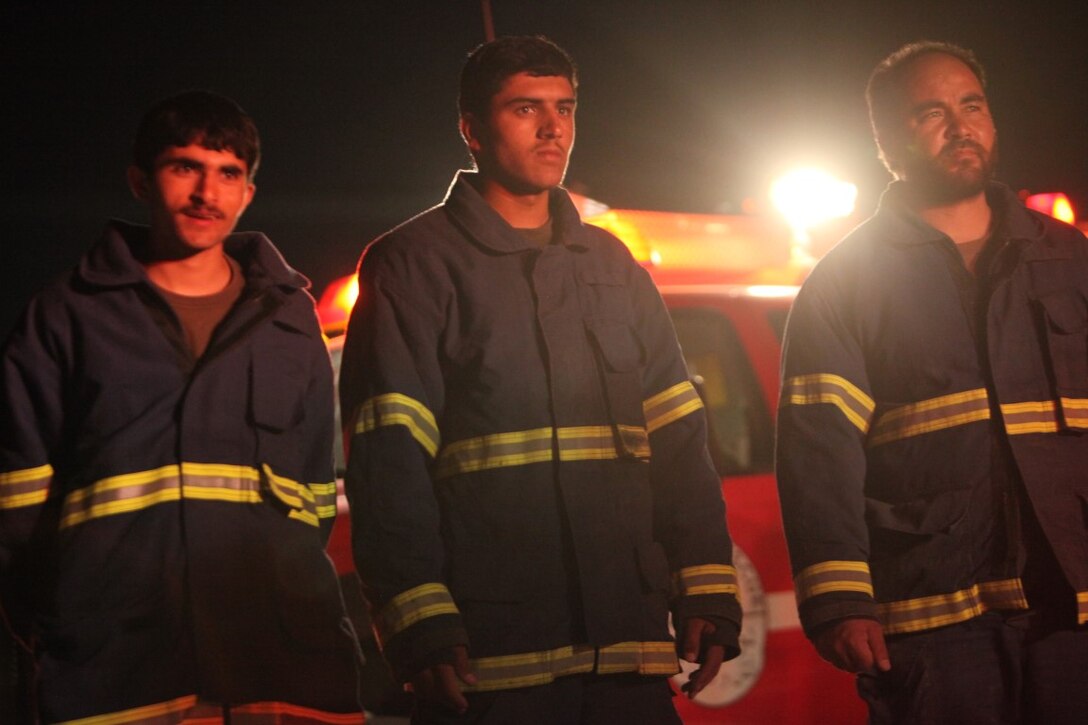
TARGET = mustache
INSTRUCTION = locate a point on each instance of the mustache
(203, 211)
(953, 146)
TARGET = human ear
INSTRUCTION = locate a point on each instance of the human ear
(138, 183)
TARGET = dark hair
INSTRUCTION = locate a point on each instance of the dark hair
(887, 78)
(209, 119)
(490, 64)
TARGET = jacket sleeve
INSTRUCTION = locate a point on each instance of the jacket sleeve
(824, 413)
(391, 394)
(31, 393)
(689, 513)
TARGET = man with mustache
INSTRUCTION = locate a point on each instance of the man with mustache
(166, 482)
(933, 429)
(528, 476)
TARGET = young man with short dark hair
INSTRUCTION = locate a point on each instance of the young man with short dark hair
(166, 484)
(529, 483)
(933, 429)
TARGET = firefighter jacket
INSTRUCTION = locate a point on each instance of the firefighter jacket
(910, 412)
(527, 469)
(163, 519)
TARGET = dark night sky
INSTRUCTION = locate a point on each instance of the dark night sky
(684, 105)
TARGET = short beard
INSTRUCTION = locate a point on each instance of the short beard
(934, 181)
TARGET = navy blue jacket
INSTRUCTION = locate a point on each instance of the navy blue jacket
(163, 518)
(912, 407)
(528, 470)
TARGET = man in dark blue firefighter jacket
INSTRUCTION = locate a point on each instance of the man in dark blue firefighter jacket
(166, 483)
(528, 475)
(933, 430)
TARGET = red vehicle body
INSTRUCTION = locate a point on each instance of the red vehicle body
(728, 282)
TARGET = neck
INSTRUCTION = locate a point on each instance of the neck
(197, 275)
(964, 220)
(521, 211)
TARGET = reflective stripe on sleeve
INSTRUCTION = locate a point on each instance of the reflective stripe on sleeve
(830, 389)
(397, 409)
(193, 481)
(670, 405)
(285, 713)
(913, 615)
(539, 668)
(706, 579)
(1044, 416)
(1082, 607)
(946, 411)
(520, 448)
(833, 576)
(25, 487)
(412, 606)
(324, 499)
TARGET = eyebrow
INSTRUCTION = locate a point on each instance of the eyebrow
(202, 166)
(527, 99)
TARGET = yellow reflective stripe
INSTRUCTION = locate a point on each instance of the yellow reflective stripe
(706, 579)
(645, 658)
(1030, 417)
(670, 404)
(598, 442)
(25, 487)
(1075, 412)
(397, 409)
(160, 712)
(414, 605)
(934, 414)
(539, 668)
(224, 482)
(832, 389)
(324, 498)
(1082, 607)
(833, 576)
(1044, 416)
(913, 615)
(520, 448)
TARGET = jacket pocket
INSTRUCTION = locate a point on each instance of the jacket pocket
(923, 517)
(1066, 327)
(620, 358)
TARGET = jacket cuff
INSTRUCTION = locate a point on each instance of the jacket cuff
(417, 623)
(820, 612)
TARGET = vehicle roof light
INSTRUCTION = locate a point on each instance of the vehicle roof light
(334, 307)
(1056, 205)
(807, 197)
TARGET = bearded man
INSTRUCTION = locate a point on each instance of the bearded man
(931, 440)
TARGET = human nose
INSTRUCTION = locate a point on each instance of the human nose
(551, 125)
(205, 189)
(958, 127)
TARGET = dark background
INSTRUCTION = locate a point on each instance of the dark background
(684, 105)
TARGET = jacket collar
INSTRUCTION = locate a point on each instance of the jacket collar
(905, 227)
(112, 263)
(481, 222)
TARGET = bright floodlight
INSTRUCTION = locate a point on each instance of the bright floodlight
(807, 197)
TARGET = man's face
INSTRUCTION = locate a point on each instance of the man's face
(946, 143)
(525, 142)
(196, 196)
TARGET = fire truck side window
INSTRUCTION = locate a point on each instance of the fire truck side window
(740, 431)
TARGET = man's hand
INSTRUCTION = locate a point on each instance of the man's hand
(855, 645)
(441, 683)
(709, 657)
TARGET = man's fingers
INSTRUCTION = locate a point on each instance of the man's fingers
(449, 689)
(462, 667)
(879, 649)
(711, 664)
(694, 629)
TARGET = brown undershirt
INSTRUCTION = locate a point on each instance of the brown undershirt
(540, 236)
(200, 315)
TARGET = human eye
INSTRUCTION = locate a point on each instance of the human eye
(182, 167)
(232, 174)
